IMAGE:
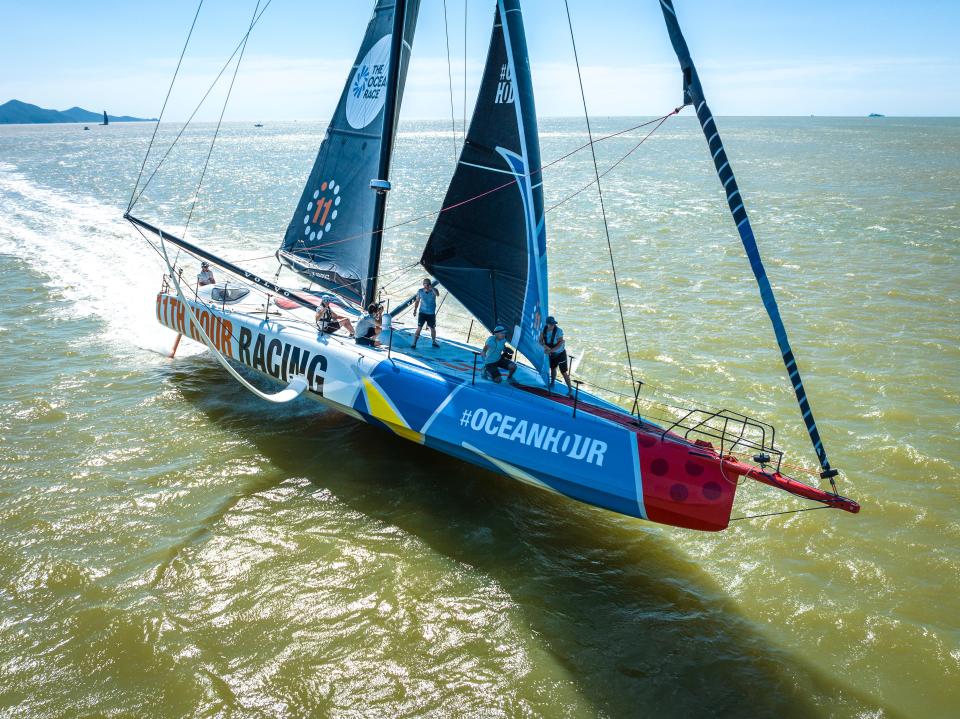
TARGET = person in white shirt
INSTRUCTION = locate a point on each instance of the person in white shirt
(555, 347)
(368, 327)
(493, 358)
(426, 302)
(206, 276)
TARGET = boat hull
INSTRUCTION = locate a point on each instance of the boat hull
(590, 451)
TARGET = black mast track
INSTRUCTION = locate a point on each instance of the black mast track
(219, 262)
(386, 149)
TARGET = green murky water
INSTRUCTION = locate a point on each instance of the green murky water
(171, 546)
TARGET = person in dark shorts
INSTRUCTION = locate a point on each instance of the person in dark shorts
(329, 321)
(368, 327)
(494, 357)
(555, 347)
(426, 303)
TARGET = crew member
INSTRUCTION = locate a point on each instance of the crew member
(494, 358)
(426, 302)
(555, 347)
(329, 321)
(206, 276)
(368, 327)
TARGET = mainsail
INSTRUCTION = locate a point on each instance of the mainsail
(693, 95)
(335, 234)
(488, 247)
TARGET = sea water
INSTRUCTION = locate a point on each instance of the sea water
(171, 545)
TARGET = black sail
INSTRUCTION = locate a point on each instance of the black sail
(334, 236)
(488, 247)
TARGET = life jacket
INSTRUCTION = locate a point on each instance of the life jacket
(552, 342)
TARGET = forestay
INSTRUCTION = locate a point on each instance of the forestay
(334, 236)
(488, 247)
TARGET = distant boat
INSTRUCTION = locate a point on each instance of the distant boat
(875, 114)
(85, 127)
(106, 121)
(259, 124)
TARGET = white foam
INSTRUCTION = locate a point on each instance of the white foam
(92, 257)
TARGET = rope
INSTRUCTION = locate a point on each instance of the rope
(453, 122)
(163, 109)
(216, 132)
(777, 514)
(603, 211)
(293, 390)
(615, 164)
(193, 114)
(509, 183)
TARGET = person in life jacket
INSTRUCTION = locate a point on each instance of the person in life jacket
(206, 276)
(329, 321)
(555, 347)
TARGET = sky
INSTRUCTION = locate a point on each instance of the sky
(755, 57)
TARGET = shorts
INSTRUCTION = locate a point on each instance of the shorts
(329, 327)
(492, 370)
(430, 320)
(365, 341)
(559, 360)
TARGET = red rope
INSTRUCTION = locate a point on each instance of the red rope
(659, 121)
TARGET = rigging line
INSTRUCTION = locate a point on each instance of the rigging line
(216, 132)
(465, 9)
(777, 514)
(508, 183)
(614, 165)
(453, 122)
(199, 105)
(162, 109)
(603, 212)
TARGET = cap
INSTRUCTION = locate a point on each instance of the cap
(551, 320)
(204, 264)
(498, 329)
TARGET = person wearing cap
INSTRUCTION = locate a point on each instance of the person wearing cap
(426, 302)
(329, 321)
(555, 347)
(206, 276)
(368, 327)
(493, 356)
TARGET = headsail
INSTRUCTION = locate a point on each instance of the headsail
(693, 95)
(334, 237)
(489, 248)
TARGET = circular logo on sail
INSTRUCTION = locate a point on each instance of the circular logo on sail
(368, 89)
(321, 211)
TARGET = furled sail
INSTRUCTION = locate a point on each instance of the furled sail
(693, 95)
(334, 236)
(488, 247)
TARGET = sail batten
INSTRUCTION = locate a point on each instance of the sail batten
(334, 236)
(488, 247)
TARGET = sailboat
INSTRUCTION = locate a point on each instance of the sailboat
(488, 248)
(106, 120)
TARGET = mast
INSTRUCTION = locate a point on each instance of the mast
(693, 95)
(381, 183)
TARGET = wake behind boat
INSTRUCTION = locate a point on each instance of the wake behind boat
(488, 249)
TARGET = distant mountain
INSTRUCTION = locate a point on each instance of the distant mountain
(16, 112)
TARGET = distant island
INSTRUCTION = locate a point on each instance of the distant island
(16, 112)
(875, 114)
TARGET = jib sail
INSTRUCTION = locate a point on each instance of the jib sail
(488, 247)
(334, 236)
